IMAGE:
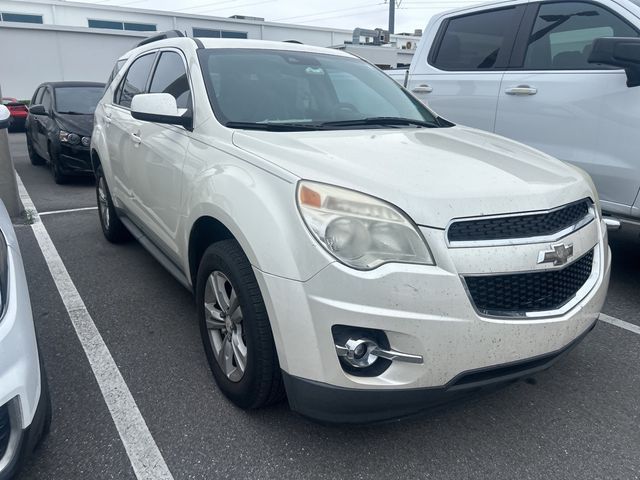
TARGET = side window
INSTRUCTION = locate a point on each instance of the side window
(114, 72)
(46, 100)
(171, 77)
(473, 42)
(37, 96)
(563, 35)
(135, 81)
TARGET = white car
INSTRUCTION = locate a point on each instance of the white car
(560, 76)
(345, 245)
(25, 406)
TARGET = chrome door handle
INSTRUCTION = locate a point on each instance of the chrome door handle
(135, 138)
(107, 119)
(422, 89)
(521, 90)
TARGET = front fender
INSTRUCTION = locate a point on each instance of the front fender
(260, 211)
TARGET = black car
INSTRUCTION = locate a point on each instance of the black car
(59, 126)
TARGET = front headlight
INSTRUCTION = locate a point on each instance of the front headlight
(361, 231)
(4, 274)
(70, 138)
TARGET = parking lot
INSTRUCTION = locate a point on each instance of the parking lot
(576, 420)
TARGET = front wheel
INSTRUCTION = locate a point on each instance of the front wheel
(235, 328)
(33, 156)
(58, 176)
(112, 227)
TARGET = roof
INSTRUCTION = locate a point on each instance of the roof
(73, 84)
(233, 43)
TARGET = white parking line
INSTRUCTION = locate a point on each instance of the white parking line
(145, 457)
(620, 323)
(69, 210)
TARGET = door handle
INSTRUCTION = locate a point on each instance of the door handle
(422, 89)
(107, 119)
(521, 90)
(135, 138)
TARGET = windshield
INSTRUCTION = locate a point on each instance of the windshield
(258, 88)
(78, 100)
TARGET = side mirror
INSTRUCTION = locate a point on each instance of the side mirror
(619, 52)
(5, 117)
(38, 110)
(159, 108)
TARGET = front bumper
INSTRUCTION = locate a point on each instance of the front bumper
(424, 310)
(75, 159)
(21, 385)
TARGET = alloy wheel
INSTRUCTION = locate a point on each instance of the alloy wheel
(103, 202)
(225, 326)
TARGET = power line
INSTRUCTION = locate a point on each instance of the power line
(362, 5)
(340, 16)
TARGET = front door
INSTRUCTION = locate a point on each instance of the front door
(556, 101)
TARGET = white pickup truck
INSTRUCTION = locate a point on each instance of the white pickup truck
(560, 76)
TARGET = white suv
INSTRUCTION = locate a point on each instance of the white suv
(345, 244)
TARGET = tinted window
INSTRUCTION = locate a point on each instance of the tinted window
(37, 96)
(46, 100)
(473, 42)
(116, 68)
(136, 79)
(171, 77)
(21, 18)
(77, 100)
(105, 24)
(563, 35)
(230, 34)
(301, 88)
(139, 27)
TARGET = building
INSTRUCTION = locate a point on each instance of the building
(56, 40)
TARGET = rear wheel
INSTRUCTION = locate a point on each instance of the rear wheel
(112, 227)
(235, 328)
(33, 156)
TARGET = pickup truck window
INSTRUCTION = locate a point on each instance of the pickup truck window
(563, 35)
(284, 89)
(474, 42)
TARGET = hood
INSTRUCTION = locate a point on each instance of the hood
(80, 124)
(434, 175)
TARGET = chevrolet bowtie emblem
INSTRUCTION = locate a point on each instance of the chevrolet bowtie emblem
(558, 254)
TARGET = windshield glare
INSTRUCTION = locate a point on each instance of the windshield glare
(287, 87)
(79, 100)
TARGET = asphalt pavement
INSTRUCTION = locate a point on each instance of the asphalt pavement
(578, 420)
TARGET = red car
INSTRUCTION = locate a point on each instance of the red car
(19, 112)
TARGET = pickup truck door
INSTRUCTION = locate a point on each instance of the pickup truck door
(554, 100)
(157, 158)
(458, 70)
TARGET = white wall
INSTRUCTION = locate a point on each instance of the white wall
(29, 57)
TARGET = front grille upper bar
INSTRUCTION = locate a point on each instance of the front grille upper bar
(554, 237)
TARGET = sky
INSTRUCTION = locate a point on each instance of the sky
(347, 14)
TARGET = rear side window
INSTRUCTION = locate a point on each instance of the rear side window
(475, 41)
(563, 35)
(171, 77)
(135, 80)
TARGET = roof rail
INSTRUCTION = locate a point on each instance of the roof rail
(161, 36)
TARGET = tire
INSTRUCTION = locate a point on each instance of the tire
(59, 177)
(33, 156)
(112, 227)
(246, 329)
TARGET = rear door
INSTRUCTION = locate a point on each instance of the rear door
(554, 100)
(121, 125)
(460, 76)
(41, 123)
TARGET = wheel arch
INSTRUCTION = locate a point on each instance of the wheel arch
(205, 231)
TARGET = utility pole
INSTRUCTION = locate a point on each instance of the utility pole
(8, 187)
(392, 15)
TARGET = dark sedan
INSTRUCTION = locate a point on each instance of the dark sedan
(59, 127)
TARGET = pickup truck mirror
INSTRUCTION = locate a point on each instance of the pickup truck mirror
(619, 52)
(38, 110)
(5, 117)
(159, 108)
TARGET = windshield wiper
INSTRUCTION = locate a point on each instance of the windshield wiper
(381, 121)
(273, 127)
